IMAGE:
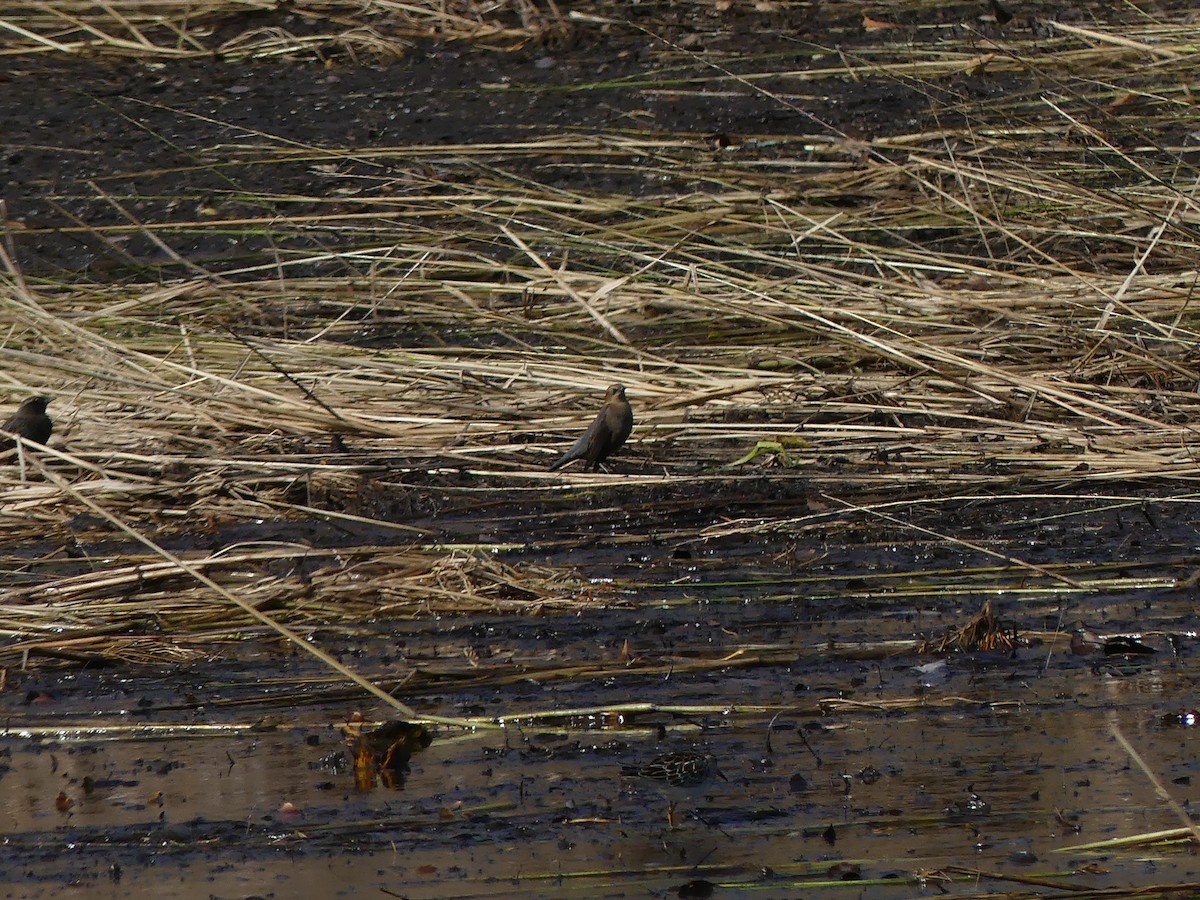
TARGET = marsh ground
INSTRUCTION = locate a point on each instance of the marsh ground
(902, 297)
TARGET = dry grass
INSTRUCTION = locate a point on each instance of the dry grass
(182, 29)
(1005, 305)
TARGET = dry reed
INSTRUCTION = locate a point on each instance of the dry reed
(1003, 306)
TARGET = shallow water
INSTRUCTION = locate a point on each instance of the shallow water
(967, 770)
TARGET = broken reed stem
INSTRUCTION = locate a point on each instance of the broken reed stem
(295, 639)
(1159, 787)
(1045, 572)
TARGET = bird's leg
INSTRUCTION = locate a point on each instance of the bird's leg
(671, 814)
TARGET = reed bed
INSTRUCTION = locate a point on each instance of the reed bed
(1003, 306)
(379, 29)
(180, 29)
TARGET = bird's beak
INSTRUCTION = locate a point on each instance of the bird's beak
(722, 774)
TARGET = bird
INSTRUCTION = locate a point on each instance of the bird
(680, 775)
(605, 435)
(29, 422)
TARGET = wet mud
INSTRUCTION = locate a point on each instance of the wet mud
(186, 138)
(850, 755)
(752, 617)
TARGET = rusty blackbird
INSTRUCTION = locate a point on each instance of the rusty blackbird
(29, 422)
(605, 435)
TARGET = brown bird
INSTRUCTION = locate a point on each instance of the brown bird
(605, 435)
(684, 775)
(29, 422)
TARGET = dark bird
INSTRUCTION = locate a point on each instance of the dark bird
(1003, 16)
(605, 435)
(29, 422)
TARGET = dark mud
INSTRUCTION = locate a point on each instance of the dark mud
(790, 661)
(994, 762)
(96, 144)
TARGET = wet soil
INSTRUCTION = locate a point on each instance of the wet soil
(849, 754)
(996, 763)
(789, 654)
(96, 143)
